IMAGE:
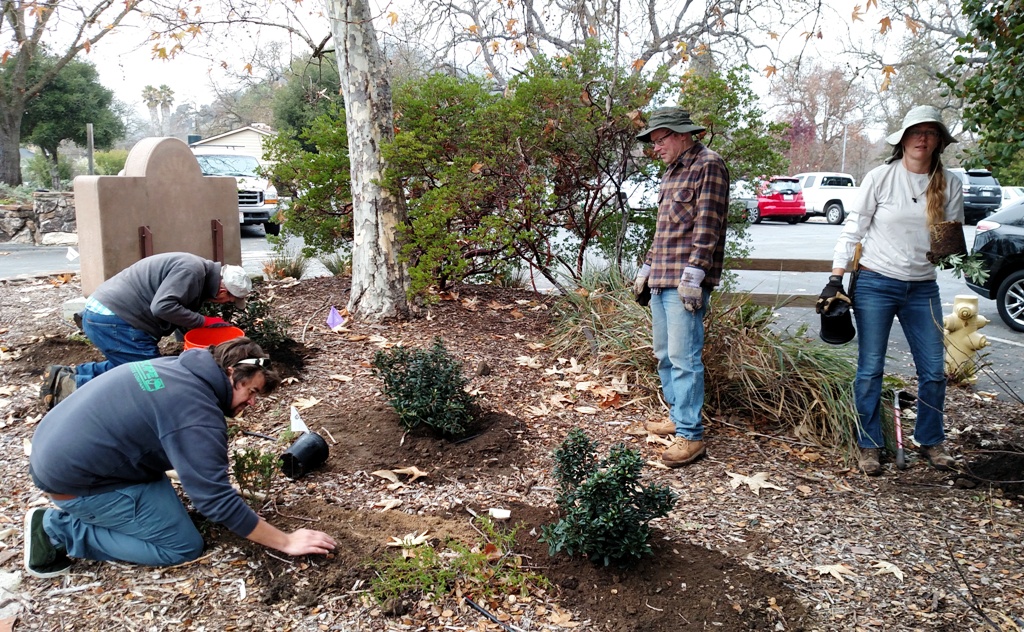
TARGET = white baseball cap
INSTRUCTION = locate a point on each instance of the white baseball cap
(237, 283)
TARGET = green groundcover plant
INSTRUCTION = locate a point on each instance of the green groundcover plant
(426, 387)
(605, 508)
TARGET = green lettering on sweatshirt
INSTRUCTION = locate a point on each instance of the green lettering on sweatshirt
(146, 376)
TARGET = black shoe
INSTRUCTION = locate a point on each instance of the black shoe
(49, 384)
(42, 558)
(64, 385)
(870, 461)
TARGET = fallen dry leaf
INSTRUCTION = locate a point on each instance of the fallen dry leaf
(340, 378)
(529, 361)
(836, 570)
(887, 567)
(388, 474)
(303, 403)
(755, 482)
(412, 471)
(387, 504)
(586, 410)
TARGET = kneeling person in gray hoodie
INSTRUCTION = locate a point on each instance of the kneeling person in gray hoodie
(101, 457)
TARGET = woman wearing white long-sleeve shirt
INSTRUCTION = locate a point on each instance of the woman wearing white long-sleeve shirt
(897, 203)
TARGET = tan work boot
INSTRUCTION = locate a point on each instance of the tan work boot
(938, 457)
(661, 427)
(869, 461)
(682, 452)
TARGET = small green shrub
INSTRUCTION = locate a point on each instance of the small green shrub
(109, 163)
(486, 568)
(254, 471)
(425, 386)
(606, 510)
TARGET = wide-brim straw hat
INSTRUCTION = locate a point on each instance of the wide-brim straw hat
(918, 115)
(673, 118)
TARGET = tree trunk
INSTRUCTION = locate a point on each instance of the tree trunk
(378, 279)
(10, 141)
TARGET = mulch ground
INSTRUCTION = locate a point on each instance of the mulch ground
(769, 533)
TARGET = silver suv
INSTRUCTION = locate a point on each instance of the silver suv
(982, 193)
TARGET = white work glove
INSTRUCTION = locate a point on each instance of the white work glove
(641, 278)
(690, 292)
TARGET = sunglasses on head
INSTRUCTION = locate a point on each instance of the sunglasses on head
(263, 363)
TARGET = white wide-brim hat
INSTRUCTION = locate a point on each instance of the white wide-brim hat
(918, 115)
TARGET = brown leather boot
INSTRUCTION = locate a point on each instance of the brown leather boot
(870, 461)
(682, 452)
(938, 457)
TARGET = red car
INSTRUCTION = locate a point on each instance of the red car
(779, 199)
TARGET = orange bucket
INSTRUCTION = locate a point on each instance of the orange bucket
(203, 337)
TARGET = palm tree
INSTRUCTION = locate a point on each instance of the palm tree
(166, 98)
(152, 98)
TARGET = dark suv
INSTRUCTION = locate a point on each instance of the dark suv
(982, 193)
(999, 239)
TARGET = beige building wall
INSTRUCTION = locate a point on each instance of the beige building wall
(162, 188)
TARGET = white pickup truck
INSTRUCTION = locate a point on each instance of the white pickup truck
(828, 193)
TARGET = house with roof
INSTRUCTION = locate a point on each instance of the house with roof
(246, 140)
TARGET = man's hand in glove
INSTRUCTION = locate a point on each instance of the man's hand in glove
(214, 321)
(832, 293)
(690, 292)
(641, 279)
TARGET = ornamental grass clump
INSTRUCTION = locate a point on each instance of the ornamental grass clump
(605, 508)
(426, 388)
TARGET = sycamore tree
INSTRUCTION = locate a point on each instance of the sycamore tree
(28, 30)
(61, 111)
(378, 276)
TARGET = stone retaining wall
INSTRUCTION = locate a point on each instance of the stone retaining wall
(50, 221)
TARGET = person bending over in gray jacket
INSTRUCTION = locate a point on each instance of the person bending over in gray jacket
(131, 311)
(101, 457)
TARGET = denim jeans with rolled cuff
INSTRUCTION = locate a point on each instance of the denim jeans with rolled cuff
(120, 343)
(879, 299)
(678, 344)
(143, 524)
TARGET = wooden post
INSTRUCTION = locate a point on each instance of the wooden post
(217, 232)
(145, 242)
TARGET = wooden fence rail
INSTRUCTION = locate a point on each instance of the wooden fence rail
(780, 265)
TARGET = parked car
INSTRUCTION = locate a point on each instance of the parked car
(999, 239)
(828, 193)
(982, 193)
(779, 199)
(741, 191)
(257, 198)
(1010, 194)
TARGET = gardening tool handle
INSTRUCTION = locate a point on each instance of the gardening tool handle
(901, 458)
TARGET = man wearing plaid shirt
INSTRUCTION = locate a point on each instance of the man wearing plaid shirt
(682, 268)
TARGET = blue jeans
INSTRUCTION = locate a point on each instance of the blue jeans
(143, 524)
(678, 345)
(877, 300)
(120, 343)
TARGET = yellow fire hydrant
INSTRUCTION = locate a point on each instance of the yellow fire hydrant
(962, 339)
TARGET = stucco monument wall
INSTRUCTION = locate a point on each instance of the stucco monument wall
(163, 190)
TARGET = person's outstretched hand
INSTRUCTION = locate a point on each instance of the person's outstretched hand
(307, 542)
(641, 279)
